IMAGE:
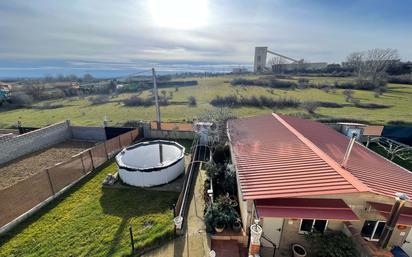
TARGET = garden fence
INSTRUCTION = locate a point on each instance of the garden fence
(31, 192)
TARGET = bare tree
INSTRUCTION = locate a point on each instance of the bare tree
(310, 107)
(88, 78)
(378, 61)
(371, 65)
(277, 63)
(394, 148)
(355, 61)
(218, 116)
(35, 91)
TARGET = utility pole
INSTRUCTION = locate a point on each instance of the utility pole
(156, 99)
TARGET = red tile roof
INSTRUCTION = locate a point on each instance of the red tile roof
(305, 208)
(280, 156)
(379, 174)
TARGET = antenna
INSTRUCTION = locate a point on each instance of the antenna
(156, 99)
(348, 150)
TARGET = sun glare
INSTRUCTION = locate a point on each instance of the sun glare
(179, 14)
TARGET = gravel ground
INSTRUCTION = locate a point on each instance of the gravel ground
(25, 166)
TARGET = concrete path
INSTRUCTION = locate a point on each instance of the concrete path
(195, 242)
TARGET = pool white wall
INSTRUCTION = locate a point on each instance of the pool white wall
(153, 178)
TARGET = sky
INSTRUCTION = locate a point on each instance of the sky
(114, 38)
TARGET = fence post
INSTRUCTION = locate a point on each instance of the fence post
(131, 238)
(91, 158)
(50, 182)
(105, 149)
(120, 142)
(84, 170)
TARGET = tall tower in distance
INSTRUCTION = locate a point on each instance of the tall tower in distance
(260, 58)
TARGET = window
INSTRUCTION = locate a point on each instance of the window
(307, 226)
(372, 229)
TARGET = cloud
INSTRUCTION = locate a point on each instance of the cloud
(124, 35)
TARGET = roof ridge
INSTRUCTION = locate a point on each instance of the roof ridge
(349, 177)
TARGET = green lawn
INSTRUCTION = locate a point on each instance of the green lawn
(80, 112)
(91, 221)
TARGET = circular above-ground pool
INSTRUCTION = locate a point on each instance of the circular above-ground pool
(151, 163)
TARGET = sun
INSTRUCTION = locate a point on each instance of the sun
(179, 14)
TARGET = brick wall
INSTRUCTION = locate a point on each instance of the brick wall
(14, 147)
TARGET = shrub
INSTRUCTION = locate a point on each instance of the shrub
(361, 84)
(213, 170)
(222, 211)
(400, 123)
(49, 106)
(221, 154)
(138, 101)
(132, 124)
(401, 79)
(348, 93)
(330, 105)
(191, 101)
(303, 83)
(99, 100)
(371, 105)
(325, 89)
(261, 101)
(274, 83)
(163, 101)
(264, 82)
(241, 81)
(332, 245)
(230, 100)
(310, 107)
(21, 100)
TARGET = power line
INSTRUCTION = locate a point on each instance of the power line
(136, 73)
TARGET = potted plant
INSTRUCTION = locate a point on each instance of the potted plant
(237, 226)
(298, 250)
(220, 223)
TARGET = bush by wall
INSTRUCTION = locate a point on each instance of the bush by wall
(261, 101)
(98, 100)
(138, 101)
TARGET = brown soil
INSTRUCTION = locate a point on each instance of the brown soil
(23, 167)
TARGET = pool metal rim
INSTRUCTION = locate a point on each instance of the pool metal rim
(123, 166)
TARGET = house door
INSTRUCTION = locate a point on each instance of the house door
(272, 229)
(407, 246)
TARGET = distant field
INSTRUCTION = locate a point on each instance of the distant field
(80, 112)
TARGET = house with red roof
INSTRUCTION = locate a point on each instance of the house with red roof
(293, 180)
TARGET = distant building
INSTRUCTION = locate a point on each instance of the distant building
(239, 70)
(5, 90)
(261, 53)
(284, 63)
(303, 66)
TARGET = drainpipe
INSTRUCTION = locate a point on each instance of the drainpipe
(348, 150)
(401, 198)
